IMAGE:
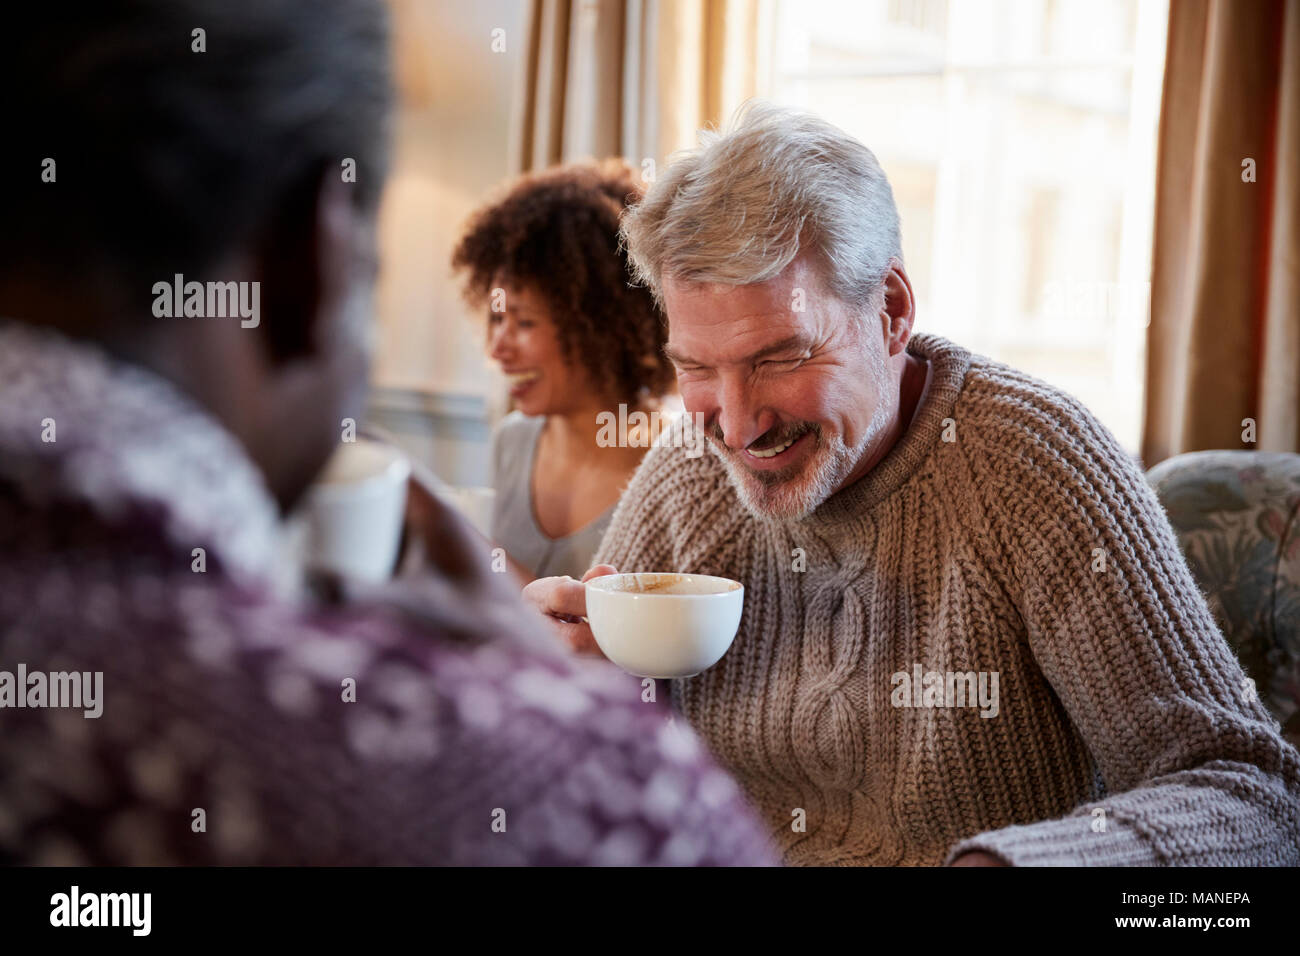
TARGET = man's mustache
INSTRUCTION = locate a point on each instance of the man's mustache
(776, 435)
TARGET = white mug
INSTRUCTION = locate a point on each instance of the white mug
(664, 624)
(353, 511)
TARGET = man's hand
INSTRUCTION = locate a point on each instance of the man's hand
(564, 602)
(978, 858)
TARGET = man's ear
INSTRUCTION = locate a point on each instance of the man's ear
(304, 263)
(899, 311)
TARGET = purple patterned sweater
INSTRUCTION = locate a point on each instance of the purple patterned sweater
(224, 736)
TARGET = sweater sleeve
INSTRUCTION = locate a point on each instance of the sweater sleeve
(1194, 768)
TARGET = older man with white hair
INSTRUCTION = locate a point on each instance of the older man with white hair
(909, 518)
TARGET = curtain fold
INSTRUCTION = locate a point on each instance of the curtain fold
(1223, 343)
(632, 78)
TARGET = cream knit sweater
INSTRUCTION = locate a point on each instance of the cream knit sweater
(1006, 534)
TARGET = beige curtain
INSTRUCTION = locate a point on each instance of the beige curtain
(1224, 339)
(632, 78)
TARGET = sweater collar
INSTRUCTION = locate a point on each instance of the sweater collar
(125, 438)
(948, 366)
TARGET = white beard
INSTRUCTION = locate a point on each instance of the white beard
(796, 497)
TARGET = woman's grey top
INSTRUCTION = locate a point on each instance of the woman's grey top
(514, 523)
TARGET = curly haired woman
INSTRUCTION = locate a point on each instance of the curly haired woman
(576, 339)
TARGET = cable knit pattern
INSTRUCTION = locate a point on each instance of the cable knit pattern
(1007, 532)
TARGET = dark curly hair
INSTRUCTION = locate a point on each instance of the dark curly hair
(556, 232)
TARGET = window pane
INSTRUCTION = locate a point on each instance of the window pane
(1020, 140)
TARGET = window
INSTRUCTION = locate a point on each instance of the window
(1019, 136)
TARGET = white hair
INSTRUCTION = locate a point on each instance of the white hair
(746, 202)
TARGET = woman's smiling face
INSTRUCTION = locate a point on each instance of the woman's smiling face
(524, 342)
(797, 389)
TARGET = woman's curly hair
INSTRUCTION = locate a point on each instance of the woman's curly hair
(556, 232)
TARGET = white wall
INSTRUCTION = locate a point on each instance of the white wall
(432, 386)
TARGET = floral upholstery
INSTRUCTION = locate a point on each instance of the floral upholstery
(1237, 517)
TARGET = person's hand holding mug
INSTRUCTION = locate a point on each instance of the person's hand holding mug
(563, 601)
(448, 574)
(447, 577)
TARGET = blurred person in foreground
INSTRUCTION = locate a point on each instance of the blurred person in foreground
(145, 460)
(581, 345)
(969, 634)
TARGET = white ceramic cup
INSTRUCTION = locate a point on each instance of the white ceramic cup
(662, 624)
(353, 511)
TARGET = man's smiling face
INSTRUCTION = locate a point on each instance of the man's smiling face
(796, 388)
